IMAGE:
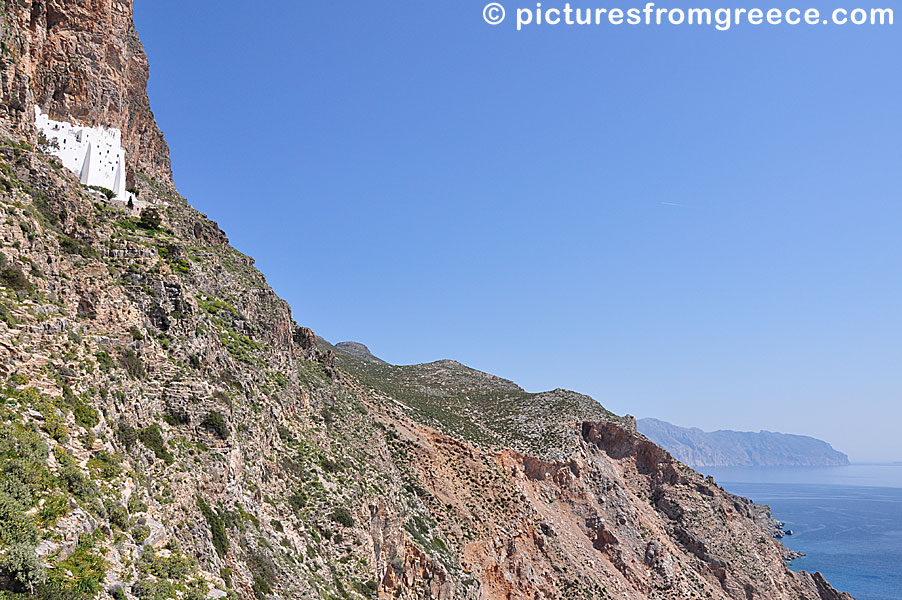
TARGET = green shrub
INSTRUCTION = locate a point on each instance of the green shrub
(152, 437)
(126, 435)
(14, 278)
(176, 416)
(54, 422)
(148, 589)
(104, 360)
(64, 458)
(341, 516)
(118, 516)
(53, 508)
(50, 592)
(285, 434)
(135, 505)
(175, 566)
(330, 466)
(106, 464)
(140, 533)
(21, 563)
(87, 440)
(72, 246)
(23, 467)
(197, 590)
(217, 527)
(84, 414)
(261, 587)
(263, 572)
(297, 501)
(132, 363)
(15, 525)
(150, 219)
(46, 144)
(78, 485)
(82, 572)
(215, 422)
(7, 316)
(110, 194)
(17, 379)
(367, 589)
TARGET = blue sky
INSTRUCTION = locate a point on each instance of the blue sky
(695, 225)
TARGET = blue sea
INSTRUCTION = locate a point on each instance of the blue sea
(847, 520)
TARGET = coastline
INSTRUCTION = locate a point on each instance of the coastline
(846, 521)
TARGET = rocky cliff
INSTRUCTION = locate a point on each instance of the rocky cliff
(168, 431)
(724, 448)
(80, 61)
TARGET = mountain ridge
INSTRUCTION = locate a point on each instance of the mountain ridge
(358, 350)
(727, 448)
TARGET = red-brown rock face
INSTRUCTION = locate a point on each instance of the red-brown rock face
(82, 60)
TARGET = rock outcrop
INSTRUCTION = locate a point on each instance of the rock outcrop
(357, 350)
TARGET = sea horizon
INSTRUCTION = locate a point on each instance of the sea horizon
(847, 520)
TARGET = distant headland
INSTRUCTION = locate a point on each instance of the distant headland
(725, 448)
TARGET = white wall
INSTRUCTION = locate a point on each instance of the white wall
(95, 154)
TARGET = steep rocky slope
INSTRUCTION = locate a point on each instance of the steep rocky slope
(168, 431)
(725, 448)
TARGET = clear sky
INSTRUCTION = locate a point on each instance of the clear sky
(700, 226)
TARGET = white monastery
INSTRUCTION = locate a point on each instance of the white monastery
(95, 154)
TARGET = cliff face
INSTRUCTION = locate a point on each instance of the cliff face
(168, 431)
(698, 448)
(81, 61)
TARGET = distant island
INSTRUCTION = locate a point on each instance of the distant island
(724, 448)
